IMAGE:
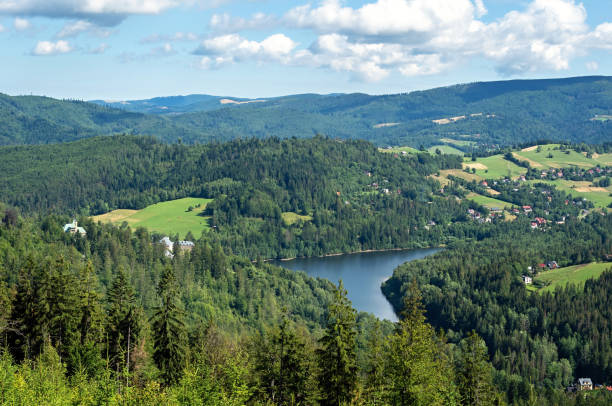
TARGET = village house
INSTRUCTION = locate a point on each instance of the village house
(180, 246)
(527, 279)
(527, 209)
(585, 384)
(73, 228)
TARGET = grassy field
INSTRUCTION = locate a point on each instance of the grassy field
(495, 167)
(559, 158)
(572, 274)
(290, 217)
(599, 196)
(458, 142)
(169, 217)
(445, 149)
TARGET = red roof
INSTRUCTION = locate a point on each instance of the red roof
(542, 265)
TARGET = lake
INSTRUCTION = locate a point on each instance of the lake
(362, 274)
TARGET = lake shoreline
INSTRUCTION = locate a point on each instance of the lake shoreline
(354, 252)
(362, 273)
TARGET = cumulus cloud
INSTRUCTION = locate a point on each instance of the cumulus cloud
(230, 48)
(103, 12)
(421, 37)
(21, 24)
(44, 48)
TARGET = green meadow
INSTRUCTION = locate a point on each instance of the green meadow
(560, 159)
(487, 201)
(577, 274)
(494, 167)
(601, 197)
(171, 217)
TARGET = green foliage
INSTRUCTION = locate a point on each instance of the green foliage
(418, 375)
(169, 330)
(337, 356)
(497, 113)
(474, 373)
(284, 366)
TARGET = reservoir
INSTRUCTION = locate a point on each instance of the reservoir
(362, 274)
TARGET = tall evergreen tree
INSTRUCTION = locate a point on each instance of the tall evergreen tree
(375, 382)
(337, 356)
(283, 367)
(474, 373)
(123, 322)
(169, 332)
(417, 374)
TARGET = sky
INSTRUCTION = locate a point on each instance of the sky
(137, 49)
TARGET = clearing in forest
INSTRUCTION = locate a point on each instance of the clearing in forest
(571, 274)
(171, 217)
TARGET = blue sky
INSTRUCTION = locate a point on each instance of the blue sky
(129, 49)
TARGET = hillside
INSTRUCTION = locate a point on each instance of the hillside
(475, 115)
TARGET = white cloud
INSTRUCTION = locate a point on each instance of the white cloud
(75, 28)
(229, 48)
(44, 48)
(421, 37)
(100, 49)
(592, 65)
(21, 24)
(412, 19)
(226, 23)
(2, 29)
(103, 12)
(177, 36)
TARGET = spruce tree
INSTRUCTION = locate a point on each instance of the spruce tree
(375, 379)
(474, 373)
(169, 333)
(123, 322)
(417, 374)
(283, 366)
(337, 357)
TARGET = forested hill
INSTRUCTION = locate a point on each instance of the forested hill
(353, 196)
(43, 120)
(487, 113)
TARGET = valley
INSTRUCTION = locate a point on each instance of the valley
(435, 238)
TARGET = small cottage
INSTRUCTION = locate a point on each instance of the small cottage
(585, 384)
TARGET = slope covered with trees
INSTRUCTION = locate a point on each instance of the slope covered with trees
(488, 114)
(356, 197)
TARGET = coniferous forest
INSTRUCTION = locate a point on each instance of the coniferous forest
(109, 318)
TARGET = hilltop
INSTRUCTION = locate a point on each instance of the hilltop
(481, 115)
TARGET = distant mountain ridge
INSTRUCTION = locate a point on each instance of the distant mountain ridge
(173, 104)
(484, 114)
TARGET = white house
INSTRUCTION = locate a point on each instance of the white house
(73, 228)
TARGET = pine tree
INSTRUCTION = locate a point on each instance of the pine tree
(123, 322)
(474, 373)
(169, 330)
(417, 374)
(337, 357)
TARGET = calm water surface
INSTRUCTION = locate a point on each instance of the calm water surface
(362, 275)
